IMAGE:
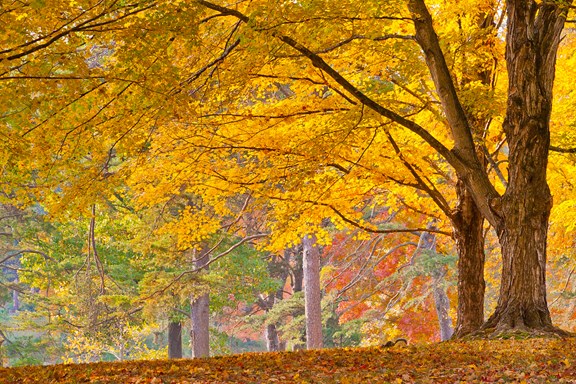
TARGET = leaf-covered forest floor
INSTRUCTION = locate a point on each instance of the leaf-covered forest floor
(500, 361)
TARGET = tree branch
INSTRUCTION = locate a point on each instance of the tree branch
(319, 62)
(27, 251)
(205, 265)
(362, 37)
(562, 150)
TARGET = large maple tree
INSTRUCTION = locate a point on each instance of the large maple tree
(314, 107)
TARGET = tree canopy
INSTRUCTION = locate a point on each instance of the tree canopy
(206, 127)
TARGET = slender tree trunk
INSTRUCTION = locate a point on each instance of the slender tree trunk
(532, 42)
(270, 330)
(298, 286)
(312, 294)
(200, 316)
(468, 233)
(277, 268)
(298, 272)
(175, 340)
(15, 297)
(199, 334)
(442, 303)
(272, 341)
(427, 242)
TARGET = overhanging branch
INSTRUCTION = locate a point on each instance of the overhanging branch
(320, 63)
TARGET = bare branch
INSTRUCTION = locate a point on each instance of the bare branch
(18, 253)
(205, 265)
(362, 37)
(562, 150)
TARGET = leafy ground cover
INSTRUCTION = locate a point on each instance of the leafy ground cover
(500, 361)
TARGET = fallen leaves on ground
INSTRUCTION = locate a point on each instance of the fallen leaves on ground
(480, 361)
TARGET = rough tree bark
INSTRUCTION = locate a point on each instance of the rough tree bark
(520, 216)
(468, 232)
(533, 36)
(312, 294)
(175, 340)
(200, 316)
(467, 220)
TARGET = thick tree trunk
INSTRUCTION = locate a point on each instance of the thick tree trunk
(312, 294)
(200, 316)
(468, 233)
(532, 41)
(175, 340)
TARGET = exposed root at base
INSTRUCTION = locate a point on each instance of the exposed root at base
(518, 333)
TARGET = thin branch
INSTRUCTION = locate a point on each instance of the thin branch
(431, 190)
(361, 271)
(199, 72)
(362, 37)
(565, 287)
(320, 63)
(494, 166)
(27, 251)
(78, 28)
(280, 116)
(562, 150)
(346, 219)
(205, 265)
(92, 240)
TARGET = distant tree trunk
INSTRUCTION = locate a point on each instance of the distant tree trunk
(199, 334)
(298, 272)
(272, 340)
(15, 297)
(200, 316)
(278, 268)
(270, 330)
(312, 293)
(175, 340)
(297, 285)
(442, 303)
(468, 232)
